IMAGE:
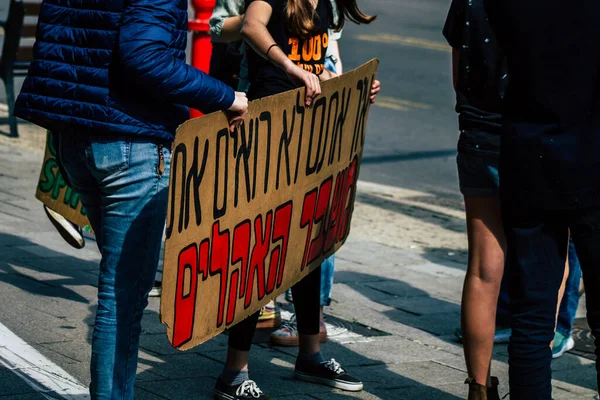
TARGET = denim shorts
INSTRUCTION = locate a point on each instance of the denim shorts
(477, 160)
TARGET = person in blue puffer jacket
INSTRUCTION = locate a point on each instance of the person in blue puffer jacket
(109, 79)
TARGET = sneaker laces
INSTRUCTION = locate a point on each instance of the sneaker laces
(289, 326)
(334, 366)
(249, 388)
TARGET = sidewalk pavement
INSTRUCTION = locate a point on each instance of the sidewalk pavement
(397, 289)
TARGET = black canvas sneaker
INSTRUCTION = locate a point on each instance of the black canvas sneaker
(246, 390)
(328, 373)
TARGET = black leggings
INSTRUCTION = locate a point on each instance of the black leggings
(307, 303)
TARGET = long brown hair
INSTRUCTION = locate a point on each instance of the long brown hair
(299, 16)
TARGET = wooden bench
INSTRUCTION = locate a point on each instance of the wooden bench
(17, 52)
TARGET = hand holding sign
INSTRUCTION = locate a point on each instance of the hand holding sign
(375, 89)
(304, 78)
(237, 111)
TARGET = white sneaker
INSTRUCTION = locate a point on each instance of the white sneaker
(156, 290)
(68, 230)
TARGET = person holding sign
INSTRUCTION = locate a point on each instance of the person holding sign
(290, 40)
(225, 26)
(110, 80)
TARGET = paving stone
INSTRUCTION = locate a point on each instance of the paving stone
(426, 372)
(61, 264)
(178, 389)
(423, 305)
(395, 350)
(446, 392)
(580, 376)
(159, 344)
(141, 394)
(182, 366)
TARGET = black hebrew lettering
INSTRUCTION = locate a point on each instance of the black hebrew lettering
(334, 131)
(364, 109)
(254, 126)
(341, 119)
(242, 150)
(299, 109)
(179, 156)
(192, 184)
(363, 105)
(219, 211)
(266, 116)
(284, 146)
(321, 104)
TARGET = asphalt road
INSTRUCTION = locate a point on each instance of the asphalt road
(412, 133)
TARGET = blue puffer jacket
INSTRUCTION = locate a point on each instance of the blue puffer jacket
(115, 67)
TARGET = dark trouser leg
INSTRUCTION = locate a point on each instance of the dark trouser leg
(585, 230)
(307, 303)
(536, 249)
(240, 336)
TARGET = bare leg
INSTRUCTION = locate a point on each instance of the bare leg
(561, 291)
(482, 283)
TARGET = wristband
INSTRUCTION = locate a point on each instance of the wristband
(270, 47)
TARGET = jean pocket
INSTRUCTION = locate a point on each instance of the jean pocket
(109, 154)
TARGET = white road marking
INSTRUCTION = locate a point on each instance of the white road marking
(40, 373)
(406, 41)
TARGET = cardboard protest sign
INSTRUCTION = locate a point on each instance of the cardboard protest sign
(56, 194)
(254, 211)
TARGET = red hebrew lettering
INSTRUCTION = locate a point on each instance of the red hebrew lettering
(257, 260)
(232, 296)
(219, 264)
(306, 220)
(334, 214)
(185, 295)
(347, 199)
(204, 259)
(281, 232)
(241, 251)
(316, 247)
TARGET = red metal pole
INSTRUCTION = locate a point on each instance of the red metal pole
(201, 44)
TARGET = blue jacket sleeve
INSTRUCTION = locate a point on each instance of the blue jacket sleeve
(147, 30)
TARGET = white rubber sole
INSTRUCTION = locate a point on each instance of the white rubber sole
(569, 346)
(347, 386)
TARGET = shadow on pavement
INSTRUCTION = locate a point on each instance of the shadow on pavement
(444, 220)
(416, 155)
(44, 276)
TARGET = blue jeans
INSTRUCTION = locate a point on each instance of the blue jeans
(568, 305)
(327, 268)
(125, 194)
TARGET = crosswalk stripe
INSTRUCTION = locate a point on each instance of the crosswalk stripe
(40, 373)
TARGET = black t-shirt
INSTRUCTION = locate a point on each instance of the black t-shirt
(482, 74)
(266, 78)
(550, 155)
